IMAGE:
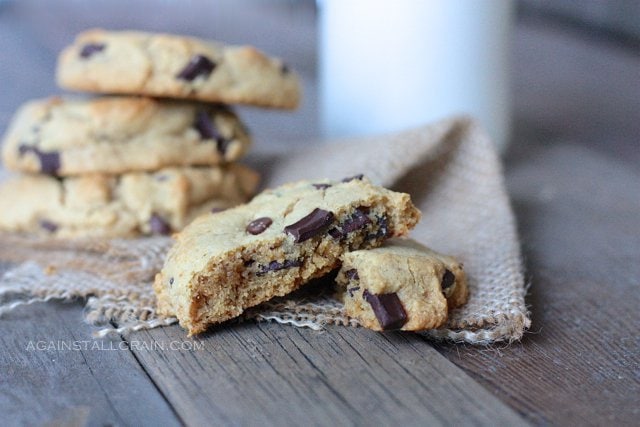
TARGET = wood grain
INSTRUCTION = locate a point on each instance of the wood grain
(43, 381)
(581, 362)
(250, 374)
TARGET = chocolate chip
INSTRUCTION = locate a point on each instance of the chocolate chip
(48, 225)
(90, 49)
(359, 219)
(352, 274)
(207, 130)
(351, 178)
(284, 69)
(199, 65)
(159, 225)
(352, 290)
(321, 186)
(257, 226)
(171, 281)
(311, 225)
(388, 309)
(49, 161)
(276, 266)
(448, 279)
(248, 262)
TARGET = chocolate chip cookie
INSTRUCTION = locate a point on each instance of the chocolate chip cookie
(124, 205)
(118, 134)
(226, 262)
(402, 285)
(131, 62)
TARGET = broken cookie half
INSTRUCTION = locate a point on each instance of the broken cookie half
(224, 263)
(400, 286)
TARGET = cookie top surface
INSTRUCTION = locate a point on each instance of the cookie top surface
(402, 285)
(404, 265)
(138, 63)
(128, 204)
(214, 235)
(120, 134)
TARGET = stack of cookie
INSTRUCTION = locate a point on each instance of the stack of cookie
(156, 150)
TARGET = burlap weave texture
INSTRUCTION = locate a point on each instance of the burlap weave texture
(452, 172)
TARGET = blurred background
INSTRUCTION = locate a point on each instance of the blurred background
(571, 69)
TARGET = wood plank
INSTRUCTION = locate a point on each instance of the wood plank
(579, 217)
(250, 374)
(44, 380)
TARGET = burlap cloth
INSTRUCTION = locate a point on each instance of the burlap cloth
(452, 172)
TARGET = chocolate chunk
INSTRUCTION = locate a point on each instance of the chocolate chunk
(383, 223)
(248, 262)
(257, 226)
(352, 274)
(276, 266)
(388, 309)
(383, 228)
(358, 220)
(205, 126)
(48, 225)
(311, 225)
(24, 149)
(335, 233)
(199, 65)
(49, 162)
(207, 130)
(351, 178)
(90, 49)
(352, 290)
(448, 279)
(223, 144)
(321, 186)
(159, 225)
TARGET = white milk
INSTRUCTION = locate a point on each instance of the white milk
(387, 65)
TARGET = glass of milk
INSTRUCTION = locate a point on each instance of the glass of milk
(388, 65)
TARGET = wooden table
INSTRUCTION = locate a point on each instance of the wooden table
(574, 178)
